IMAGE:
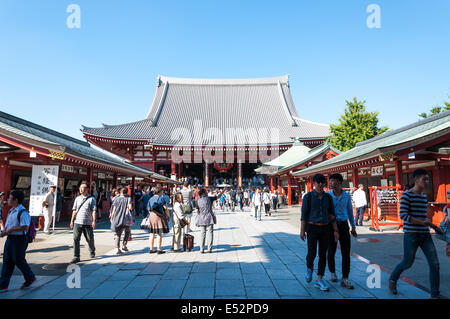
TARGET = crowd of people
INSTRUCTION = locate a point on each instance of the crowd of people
(326, 219)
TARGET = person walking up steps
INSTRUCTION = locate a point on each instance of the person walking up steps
(413, 212)
(317, 214)
(343, 209)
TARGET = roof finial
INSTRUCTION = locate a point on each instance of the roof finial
(297, 141)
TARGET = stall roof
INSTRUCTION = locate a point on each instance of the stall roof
(399, 139)
(297, 155)
(36, 135)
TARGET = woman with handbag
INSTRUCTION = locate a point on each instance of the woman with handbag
(121, 219)
(179, 222)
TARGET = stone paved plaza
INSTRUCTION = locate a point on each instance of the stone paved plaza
(250, 259)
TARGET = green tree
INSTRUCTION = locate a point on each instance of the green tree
(356, 125)
(436, 110)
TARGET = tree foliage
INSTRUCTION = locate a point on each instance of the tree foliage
(436, 110)
(355, 125)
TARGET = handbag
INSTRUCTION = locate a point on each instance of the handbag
(183, 223)
(144, 223)
(130, 218)
(445, 227)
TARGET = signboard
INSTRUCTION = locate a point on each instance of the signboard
(376, 171)
(67, 168)
(269, 170)
(101, 176)
(42, 177)
(344, 175)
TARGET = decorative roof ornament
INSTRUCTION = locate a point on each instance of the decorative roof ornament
(297, 141)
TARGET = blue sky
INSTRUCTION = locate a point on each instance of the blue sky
(105, 72)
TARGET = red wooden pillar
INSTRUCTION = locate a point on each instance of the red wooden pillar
(114, 184)
(272, 188)
(154, 161)
(289, 192)
(90, 178)
(300, 191)
(239, 179)
(398, 173)
(355, 178)
(173, 169)
(279, 184)
(310, 184)
(5, 186)
(206, 175)
(179, 169)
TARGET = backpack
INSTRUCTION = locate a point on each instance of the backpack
(157, 207)
(31, 235)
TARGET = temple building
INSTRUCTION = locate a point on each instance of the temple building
(211, 128)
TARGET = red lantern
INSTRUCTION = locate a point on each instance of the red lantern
(222, 167)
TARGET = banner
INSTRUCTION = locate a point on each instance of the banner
(43, 176)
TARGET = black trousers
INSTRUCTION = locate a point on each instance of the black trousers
(88, 233)
(345, 242)
(317, 235)
(14, 255)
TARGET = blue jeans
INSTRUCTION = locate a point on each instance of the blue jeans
(360, 215)
(257, 209)
(411, 242)
(14, 255)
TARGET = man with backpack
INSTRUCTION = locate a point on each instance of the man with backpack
(18, 230)
(83, 221)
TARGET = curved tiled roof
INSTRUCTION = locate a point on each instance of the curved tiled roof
(59, 141)
(233, 111)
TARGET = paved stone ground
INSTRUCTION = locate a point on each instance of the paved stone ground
(250, 259)
(386, 249)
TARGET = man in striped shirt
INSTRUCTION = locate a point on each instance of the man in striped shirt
(413, 212)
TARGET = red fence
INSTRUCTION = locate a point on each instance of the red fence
(385, 206)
